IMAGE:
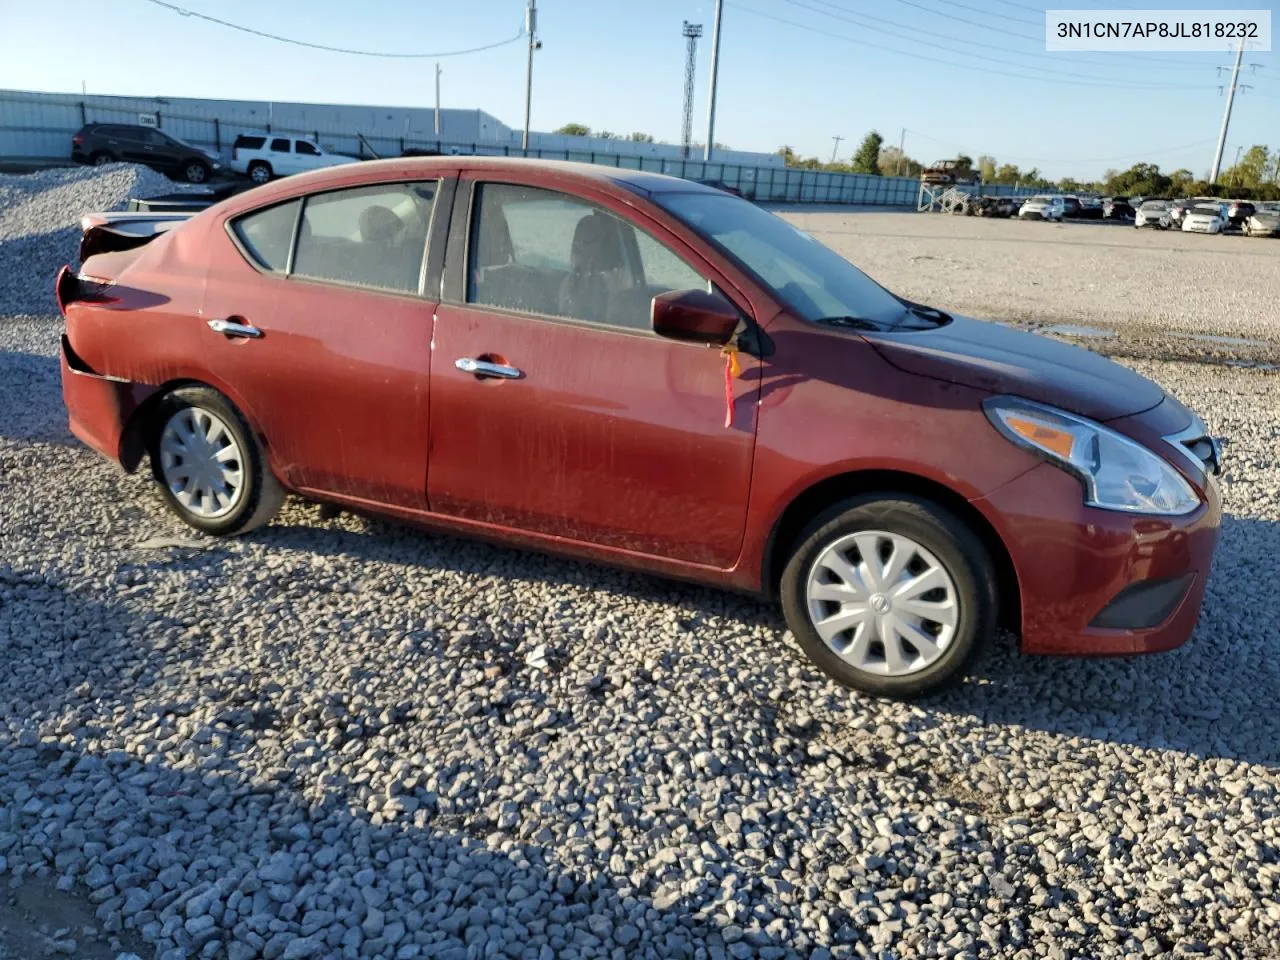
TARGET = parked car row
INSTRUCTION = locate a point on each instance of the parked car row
(1191, 215)
(260, 157)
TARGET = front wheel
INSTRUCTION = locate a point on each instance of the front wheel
(196, 171)
(211, 469)
(890, 594)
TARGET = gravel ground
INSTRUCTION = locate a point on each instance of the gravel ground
(347, 739)
(1143, 284)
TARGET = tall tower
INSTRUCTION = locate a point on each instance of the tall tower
(692, 31)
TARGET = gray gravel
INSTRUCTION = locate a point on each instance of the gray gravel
(347, 739)
(1103, 274)
(40, 223)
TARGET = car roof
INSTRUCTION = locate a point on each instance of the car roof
(640, 181)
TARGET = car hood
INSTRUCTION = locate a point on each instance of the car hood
(990, 356)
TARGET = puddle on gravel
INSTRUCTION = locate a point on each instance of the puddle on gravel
(1219, 339)
(1079, 330)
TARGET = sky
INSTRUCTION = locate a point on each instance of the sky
(966, 76)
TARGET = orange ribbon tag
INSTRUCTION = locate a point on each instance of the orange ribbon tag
(731, 369)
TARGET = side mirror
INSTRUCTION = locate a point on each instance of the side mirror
(695, 316)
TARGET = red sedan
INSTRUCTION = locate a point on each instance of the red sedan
(644, 371)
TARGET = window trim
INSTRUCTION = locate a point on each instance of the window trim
(466, 220)
(444, 191)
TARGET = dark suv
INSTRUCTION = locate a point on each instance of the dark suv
(100, 143)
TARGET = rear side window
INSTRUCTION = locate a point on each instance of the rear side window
(369, 236)
(268, 234)
(305, 148)
(249, 143)
(280, 145)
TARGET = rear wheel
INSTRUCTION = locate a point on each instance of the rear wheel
(211, 469)
(196, 171)
(102, 158)
(259, 171)
(890, 594)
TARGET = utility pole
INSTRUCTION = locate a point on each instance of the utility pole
(531, 27)
(711, 99)
(437, 102)
(902, 145)
(834, 147)
(691, 33)
(1226, 116)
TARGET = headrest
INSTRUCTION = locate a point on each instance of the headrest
(378, 225)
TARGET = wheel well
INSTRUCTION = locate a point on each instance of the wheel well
(133, 441)
(831, 491)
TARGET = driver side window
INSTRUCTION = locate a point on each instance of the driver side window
(542, 252)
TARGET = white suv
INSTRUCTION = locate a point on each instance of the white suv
(1043, 208)
(262, 156)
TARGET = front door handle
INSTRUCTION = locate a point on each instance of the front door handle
(483, 368)
(232, 329)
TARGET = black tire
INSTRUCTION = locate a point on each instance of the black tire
(955, 546)
(259, 171)
(262, 493)
(196, 171)
(101, 158)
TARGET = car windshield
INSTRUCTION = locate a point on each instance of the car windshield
(1156, 205)
(1207, 210)
(814, 281)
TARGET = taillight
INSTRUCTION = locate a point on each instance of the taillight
(72, 287)
(77, 140)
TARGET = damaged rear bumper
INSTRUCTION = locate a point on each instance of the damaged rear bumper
(100, 409)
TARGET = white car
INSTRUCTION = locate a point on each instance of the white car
(1043, 208)
(1153, 213)
(1205, 218)
(263, 156)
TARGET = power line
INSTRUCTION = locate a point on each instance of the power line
(1007, 51)
(1158, 151)
(965, 6)
(913, 36)
(183, 11)
(950, 63)
(987, 26)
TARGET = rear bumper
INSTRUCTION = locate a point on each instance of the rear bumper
(1073, 563)
(99, 408)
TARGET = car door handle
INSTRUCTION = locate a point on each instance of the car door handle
(232, 329)
(483, 368)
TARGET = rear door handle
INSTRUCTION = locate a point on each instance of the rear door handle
(483, 368)
(232, 329)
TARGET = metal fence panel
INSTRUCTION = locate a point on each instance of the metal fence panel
(41, 125)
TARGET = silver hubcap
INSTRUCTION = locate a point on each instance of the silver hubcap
(195, 173)
(202, 464)
(259, 174)
(882, 603)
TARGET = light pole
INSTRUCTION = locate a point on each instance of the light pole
(531, 27)
(834, 147)
(711, 99)
(437, 105)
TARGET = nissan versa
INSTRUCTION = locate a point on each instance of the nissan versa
(645, 371)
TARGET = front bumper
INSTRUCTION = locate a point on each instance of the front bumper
(100, 408)
(1073, 563)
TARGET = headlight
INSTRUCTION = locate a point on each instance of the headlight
(1117, 473)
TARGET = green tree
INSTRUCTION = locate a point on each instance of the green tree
(867, 158)
(641, 138)
(895, 163)
(608, 135)
(1180, 182)
(575, 130)
(987, 168)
